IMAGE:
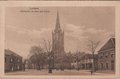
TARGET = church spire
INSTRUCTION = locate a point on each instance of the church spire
(57, 27)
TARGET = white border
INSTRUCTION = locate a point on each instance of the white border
(4, 4)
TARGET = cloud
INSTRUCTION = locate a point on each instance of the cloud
(75, 36)
(73, 31)
(82, 32)
(94, 31)
(21, 39)
(33, 34)
(109, 34)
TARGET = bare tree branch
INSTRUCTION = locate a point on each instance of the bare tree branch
(93, 45)
(47, 45)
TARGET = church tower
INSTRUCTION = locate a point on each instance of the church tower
(58, 41)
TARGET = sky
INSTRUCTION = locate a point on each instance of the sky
(28, 26)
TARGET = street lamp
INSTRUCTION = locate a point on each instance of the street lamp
(50, 62)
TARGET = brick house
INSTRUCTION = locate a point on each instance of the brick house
(13, 62)
(106, 55)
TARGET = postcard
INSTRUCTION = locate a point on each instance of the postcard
(62, 40)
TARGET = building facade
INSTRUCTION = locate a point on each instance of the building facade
(86, 62)
(58, 44)
(106, 55)
(13, 62)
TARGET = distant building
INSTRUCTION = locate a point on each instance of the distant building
(75, 64)
(106, 55)
(58, 45)
(86, 62)
(13, 62)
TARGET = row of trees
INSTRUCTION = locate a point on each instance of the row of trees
(41, 55)
(38, 58)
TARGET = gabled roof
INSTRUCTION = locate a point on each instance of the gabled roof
(106, 44)
(9, 52)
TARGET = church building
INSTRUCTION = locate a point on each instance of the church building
(58, 44)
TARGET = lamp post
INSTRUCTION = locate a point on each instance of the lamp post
(93, 64)
(50, 62)
(49, 68)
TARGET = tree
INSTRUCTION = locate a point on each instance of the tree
(47, 45)
(50, 54)
(92, 46)
(38, 56)
(68, 59)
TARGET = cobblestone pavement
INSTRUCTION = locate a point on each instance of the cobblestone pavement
(58, 72)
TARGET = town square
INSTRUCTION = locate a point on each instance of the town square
(60, 41)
